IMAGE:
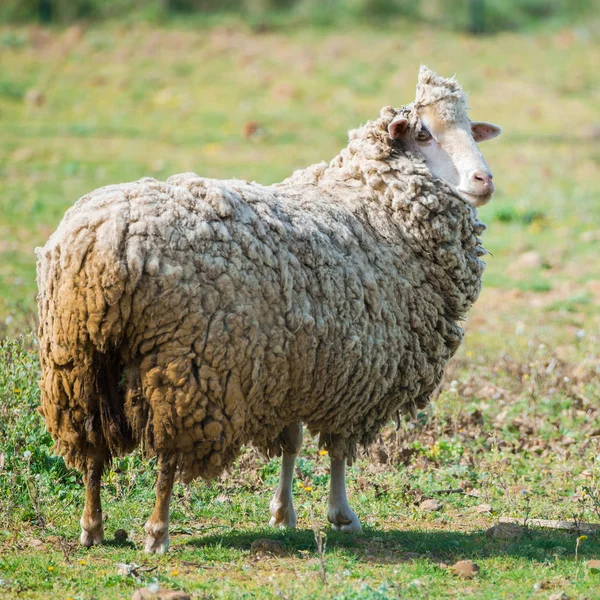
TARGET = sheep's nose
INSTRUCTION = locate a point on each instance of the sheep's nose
(482, 181)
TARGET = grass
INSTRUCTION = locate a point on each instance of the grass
(517, 424)
(520, 437)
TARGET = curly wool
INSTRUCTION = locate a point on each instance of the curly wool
(193, 316)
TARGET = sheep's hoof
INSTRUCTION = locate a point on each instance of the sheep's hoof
(282, 515)
(157, 540)
(344, 520)
(92, 537)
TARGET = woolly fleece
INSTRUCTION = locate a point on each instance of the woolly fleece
(193, 316)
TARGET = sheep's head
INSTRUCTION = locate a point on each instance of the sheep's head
(436, 125)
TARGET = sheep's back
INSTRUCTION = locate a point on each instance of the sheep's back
(239, 308)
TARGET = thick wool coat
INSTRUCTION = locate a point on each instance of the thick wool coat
(193, 316)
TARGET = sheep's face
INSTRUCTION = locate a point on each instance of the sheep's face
(443, 134)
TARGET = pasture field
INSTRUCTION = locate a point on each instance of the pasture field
(515, 431)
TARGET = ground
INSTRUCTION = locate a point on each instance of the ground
(515, 431)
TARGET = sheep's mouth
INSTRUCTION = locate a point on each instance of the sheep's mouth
(475, 199)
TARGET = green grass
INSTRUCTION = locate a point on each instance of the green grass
(520, 406)
(517, 436)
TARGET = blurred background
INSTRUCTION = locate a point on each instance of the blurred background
(97, 92)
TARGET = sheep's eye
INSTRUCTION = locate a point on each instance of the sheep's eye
(424, 135)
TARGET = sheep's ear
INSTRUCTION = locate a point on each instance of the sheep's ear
(483, 131)
(398, 128)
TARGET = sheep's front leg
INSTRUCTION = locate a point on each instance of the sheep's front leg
(157, 526)
(339, 513)
(92, 527)
(282, 506)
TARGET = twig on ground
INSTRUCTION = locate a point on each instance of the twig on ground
(66, 548)
(573, 526)
(449, 491)
(321, 541)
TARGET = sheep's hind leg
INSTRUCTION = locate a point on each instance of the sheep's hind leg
(339, 513)
(92, 527)
(282, 505)
(157, 526)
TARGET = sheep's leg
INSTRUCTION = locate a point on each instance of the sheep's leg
(92, 528)
(282, 505)
(157, 526)
(339, 513)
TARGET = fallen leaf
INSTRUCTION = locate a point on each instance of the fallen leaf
(250, 129)
(483, 508)
(379, 453)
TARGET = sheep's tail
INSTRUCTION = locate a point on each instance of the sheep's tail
(82, 396)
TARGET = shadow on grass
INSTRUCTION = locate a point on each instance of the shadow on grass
(385, 547)
(112, 543)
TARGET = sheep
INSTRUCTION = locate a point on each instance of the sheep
(193, 316)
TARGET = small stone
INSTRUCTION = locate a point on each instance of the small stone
(126, 569)
(430, 505)
(149, 594)
(505, 531)
(593, 565)
(53, 539)
(250, 129)
(590, 236)
(465, 568)
(266, 546)
(558, 596)
(483, 508)
(35, 543)
(529, 260)
(541, 585)
(34, 98)
(120, 535)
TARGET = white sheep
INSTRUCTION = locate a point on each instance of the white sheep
(194, 316)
